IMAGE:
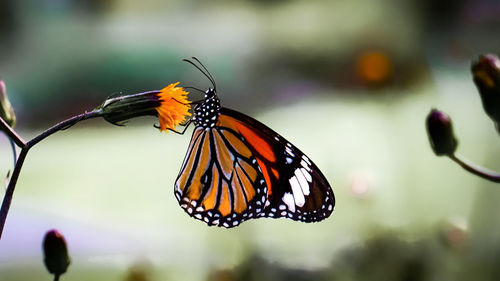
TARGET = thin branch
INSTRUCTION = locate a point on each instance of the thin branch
(63, 126)
(476, 169)
(9, 193)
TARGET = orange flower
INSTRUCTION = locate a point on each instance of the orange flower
(174, 107)
(171, 105)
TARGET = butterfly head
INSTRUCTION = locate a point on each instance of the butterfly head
(206, 113)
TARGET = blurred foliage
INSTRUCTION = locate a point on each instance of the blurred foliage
(442, 255)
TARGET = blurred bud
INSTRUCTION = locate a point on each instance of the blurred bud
(454, 233)
(55, 252)
(6, 109)
(361, 183)
(440, 131)
(486, 73)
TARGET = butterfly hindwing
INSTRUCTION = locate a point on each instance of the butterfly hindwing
(220, 181)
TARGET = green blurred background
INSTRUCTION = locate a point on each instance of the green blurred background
(349, 82)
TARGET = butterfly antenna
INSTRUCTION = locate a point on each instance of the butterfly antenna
(206, 70)
(210, 78)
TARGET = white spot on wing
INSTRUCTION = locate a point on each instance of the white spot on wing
(306, 174)
(306, 159)
(288, 200)
(302, 181)
(297, 192)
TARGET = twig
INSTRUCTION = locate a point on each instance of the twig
(476, 169)
(25, 147)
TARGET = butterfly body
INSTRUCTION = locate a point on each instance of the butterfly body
(236, 169)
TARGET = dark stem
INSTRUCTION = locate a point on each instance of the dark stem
(56, 277)
(475, 169)
(7, 198)
(25, 147)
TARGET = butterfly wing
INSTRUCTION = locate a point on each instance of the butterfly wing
(220, 181)
(296, 188)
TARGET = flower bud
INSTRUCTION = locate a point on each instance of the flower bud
(117, 110)
(6, 109)
(55, 252)
(170, 104)
(440, 131)
(486, 73)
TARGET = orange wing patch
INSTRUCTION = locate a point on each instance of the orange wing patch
(223, 155)
(210, 198)
(225, 201)
(237, 144)
(257, 142)
(194, 190)
(265, 153)
(218, 175)
(190, 159)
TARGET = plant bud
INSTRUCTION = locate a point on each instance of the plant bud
(117, 110)
(486, 72)
(55, 252)
(440, 131)
(6, 109)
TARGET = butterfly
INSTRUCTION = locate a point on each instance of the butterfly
(237, 168)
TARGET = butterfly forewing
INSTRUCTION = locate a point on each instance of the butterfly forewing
(296, 187)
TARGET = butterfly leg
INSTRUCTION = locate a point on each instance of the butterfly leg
(185, 125)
